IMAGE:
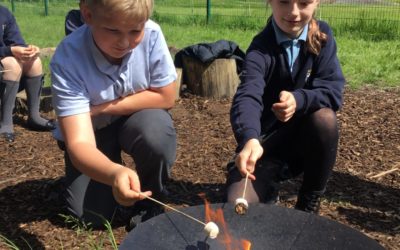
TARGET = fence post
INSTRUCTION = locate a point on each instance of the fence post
(12, 6)
(208, 10)
(46, 7)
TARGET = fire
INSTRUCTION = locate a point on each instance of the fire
(226, 238)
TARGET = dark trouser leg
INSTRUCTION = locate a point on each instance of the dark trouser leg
(8, 92)
(33, 88)
(320, 137)
(150, 138)
(86, 198)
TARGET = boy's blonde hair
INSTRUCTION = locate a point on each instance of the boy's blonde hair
(137, 10)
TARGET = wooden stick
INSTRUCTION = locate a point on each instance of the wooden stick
(245, 184)
(5, 70)
(384, 173)
(176, 210)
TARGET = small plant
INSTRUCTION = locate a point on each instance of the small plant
(86, 229)
(8, 243)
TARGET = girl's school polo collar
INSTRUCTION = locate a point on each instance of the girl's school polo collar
(281, 37)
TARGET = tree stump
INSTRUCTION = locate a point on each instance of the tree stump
(21, 106)
(178, 83)
(217, 79)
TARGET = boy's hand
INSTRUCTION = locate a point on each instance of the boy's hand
(247, 158)
(126, 187)
(285, 108)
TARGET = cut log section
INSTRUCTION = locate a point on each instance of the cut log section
(178, 82)
(217, 79)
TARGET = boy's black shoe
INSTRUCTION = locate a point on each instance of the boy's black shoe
(308, 202)
(142, 212)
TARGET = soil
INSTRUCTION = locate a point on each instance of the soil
(31, 167)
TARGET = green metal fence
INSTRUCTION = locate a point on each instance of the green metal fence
(336, 12)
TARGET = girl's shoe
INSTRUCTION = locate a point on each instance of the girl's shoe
(308, 202)
(9, 137)
(50, 125)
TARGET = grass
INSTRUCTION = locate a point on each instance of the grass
(367, 49)
(81, 229)
(366, 57)
(8, 243)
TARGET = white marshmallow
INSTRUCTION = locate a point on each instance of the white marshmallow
(211, 229)
(242, 201)
(241, 206)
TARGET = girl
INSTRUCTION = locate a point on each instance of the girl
(284, 112)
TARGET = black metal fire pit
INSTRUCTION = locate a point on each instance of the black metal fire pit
(265, 226)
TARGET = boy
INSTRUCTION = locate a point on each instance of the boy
(113, 81)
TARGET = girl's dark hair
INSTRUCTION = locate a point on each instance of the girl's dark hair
(315, 37)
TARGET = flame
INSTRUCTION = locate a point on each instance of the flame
(217, 217)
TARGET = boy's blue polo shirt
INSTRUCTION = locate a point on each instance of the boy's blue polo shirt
(81, 76)
(292, 46)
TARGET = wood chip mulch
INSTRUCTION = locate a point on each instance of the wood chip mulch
(363, 192)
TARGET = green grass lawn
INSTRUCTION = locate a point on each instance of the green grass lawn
(369, 51)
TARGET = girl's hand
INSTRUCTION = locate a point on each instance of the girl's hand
(32, 51)
(247, 158)
(285, 108)
(18, 52)
(126, 187)
(25, 54)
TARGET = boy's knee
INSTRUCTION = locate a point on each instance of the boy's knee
(162, 146)
(151, 131)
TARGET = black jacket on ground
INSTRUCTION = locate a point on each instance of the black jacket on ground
(208, 52)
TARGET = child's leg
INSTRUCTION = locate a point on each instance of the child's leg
(270, 170)
(264, 189)
(33, 88)
(319, 140)
(150, 138)
(322, 135)
(8, 93)
(86, 198)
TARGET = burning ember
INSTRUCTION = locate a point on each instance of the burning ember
(225, 237)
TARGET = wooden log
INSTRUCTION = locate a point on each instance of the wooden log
(178, 83)
(21, 106)
(217, 79)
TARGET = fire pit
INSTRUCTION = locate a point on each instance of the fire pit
(264, 226)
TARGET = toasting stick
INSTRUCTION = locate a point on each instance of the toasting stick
(210, 228)
(241, 204)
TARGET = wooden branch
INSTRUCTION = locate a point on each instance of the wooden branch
(384, 173)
